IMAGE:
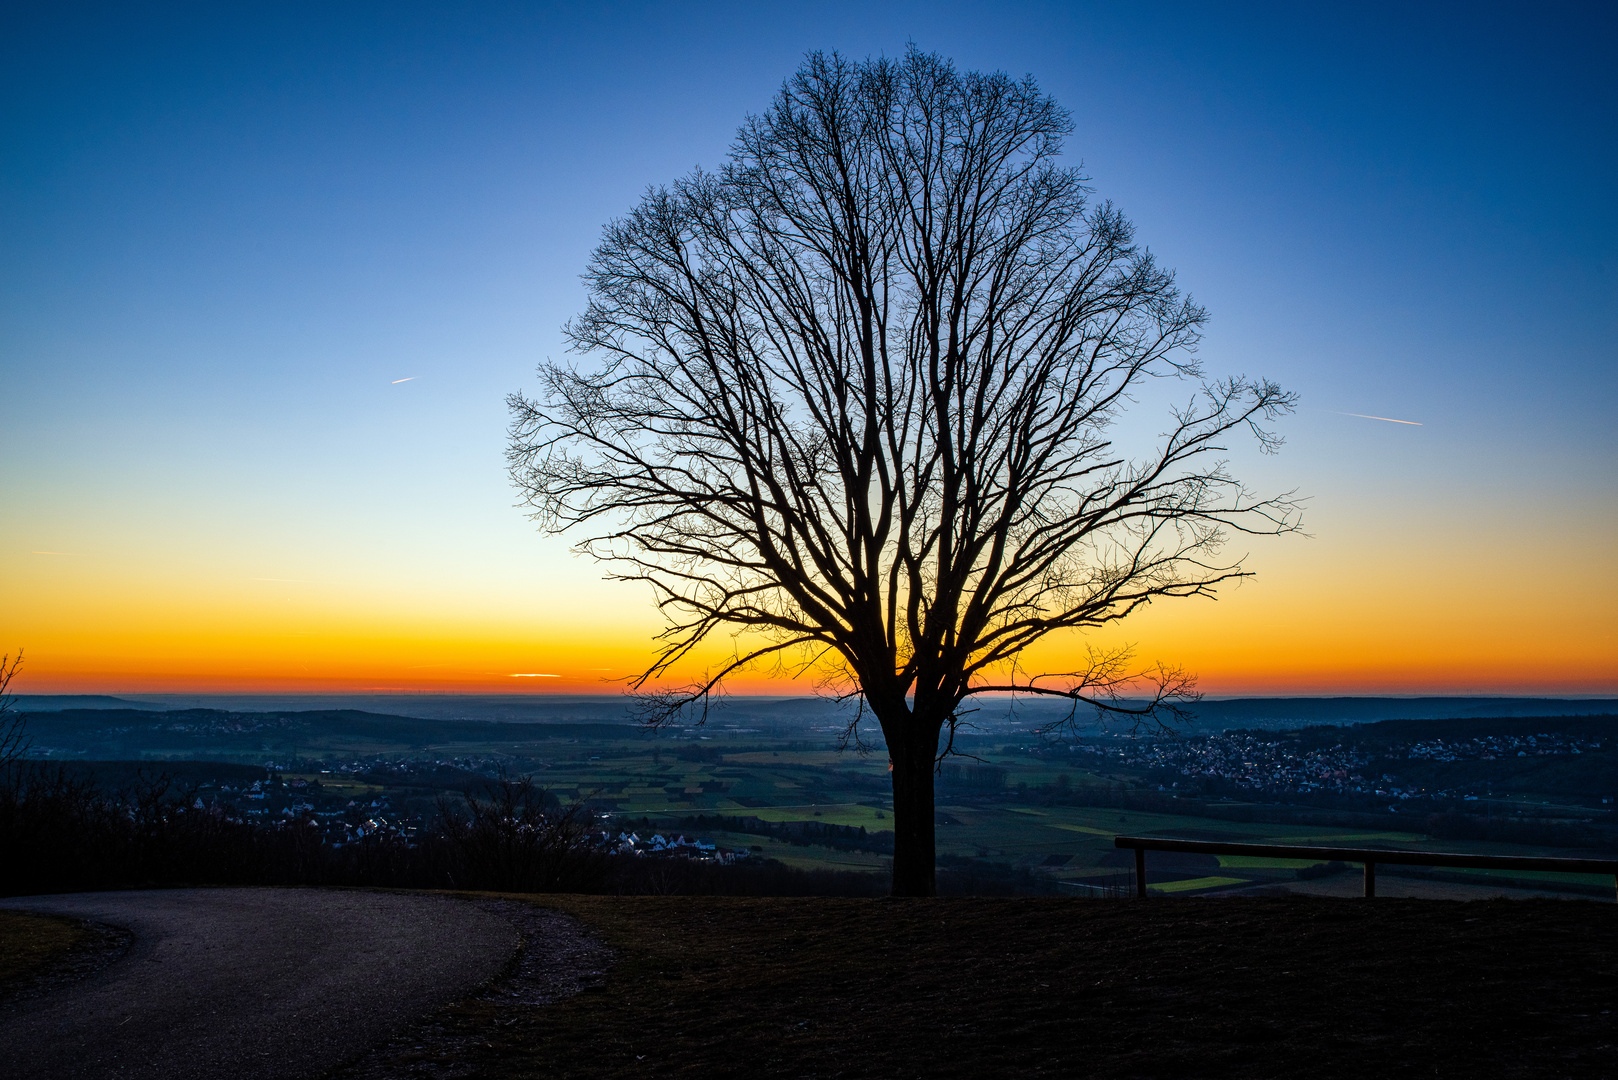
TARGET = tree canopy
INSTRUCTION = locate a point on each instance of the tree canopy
(850, 398)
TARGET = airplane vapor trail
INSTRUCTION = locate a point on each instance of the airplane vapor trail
(1389, 419)
(396, 382)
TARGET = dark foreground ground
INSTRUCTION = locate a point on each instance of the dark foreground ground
(710, 987)
(251, 984)
(713, 987)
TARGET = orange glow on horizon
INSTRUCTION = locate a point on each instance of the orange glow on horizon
(1241, 660)
(1363, 616)
(36, 678)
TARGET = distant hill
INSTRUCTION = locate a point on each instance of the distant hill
(1603, 727)
(511, 708)
(1305, 712)
(34, 703)
(238, 725)
(207, 733)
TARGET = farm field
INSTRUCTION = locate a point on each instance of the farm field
(780, 791)
(691, 788)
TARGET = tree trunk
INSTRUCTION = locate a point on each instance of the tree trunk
(913, 845)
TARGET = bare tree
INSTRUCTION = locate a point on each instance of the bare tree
(853, 406)
(14, 741)
(518, 838)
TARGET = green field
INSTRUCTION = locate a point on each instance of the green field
(777, 793)
(632, 779)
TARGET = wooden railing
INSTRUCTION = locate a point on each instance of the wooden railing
(1370, 857)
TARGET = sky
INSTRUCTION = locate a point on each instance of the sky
(267, 273)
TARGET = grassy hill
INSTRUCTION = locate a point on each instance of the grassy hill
(971, 988)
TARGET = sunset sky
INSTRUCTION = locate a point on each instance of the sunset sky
(268, 272)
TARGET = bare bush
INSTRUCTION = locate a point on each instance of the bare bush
(14, 740)
(518, 838)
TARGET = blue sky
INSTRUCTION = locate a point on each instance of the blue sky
(225, 232)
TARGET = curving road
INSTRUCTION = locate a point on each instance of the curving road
(250, 984)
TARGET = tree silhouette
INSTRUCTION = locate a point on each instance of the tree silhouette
(851, 404)
(14, 740)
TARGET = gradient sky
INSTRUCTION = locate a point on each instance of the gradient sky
(227, 230)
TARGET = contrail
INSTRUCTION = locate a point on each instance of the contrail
(533, 675)
(1389, 419)
(396, 382)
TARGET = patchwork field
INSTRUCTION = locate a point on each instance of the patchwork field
(1040, 819)
(1018, 823)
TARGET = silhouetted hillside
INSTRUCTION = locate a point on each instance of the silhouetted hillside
(1271, 713)
(58, 702)
(121, 733)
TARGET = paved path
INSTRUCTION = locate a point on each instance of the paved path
(249, 983)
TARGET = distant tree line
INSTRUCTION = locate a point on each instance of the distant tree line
(845, 837)
(60, 831)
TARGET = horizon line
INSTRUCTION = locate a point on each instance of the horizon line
(551, 695)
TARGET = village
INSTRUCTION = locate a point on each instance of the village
(1275, 766)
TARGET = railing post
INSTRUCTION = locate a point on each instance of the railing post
(1140, 873)
(1370, 880)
